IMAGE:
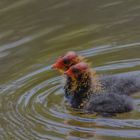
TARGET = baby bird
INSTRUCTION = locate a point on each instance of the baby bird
(86, 94)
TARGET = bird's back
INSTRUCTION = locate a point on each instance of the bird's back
(127, 83)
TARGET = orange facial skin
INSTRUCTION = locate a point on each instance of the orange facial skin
(77, 69)
(64, 63)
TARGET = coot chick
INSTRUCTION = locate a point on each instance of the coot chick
(126, 84)
(63, 63)
(86, 93)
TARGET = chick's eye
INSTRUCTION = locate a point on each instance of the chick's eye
(74, 70)
(66, 61)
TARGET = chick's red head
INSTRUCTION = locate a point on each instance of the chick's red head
(65, 62)
(77, 69)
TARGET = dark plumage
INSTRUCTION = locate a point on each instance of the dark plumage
(93, 93)
(127, 84)
(78, 90)
(109, 103)
(88, 93)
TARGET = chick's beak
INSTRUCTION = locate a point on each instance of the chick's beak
(54, 66)
(69, 73)
(58, 66)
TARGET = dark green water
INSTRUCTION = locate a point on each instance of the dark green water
(33, 33)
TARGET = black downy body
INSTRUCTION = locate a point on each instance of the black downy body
(110, 97)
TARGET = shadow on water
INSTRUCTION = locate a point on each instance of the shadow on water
(33, 34)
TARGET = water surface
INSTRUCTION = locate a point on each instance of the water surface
(33, 33)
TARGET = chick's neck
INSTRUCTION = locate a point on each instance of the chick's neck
(78, 90)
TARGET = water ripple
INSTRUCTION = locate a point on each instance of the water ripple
(114, 65)
(100, 50)
(27, 39)
(15, 5)
(32, 106)
(35, 112)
